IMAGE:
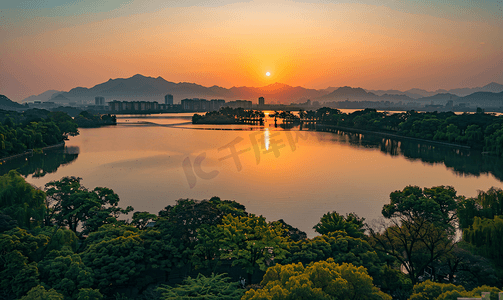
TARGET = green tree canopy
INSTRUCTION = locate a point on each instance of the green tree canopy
(40, 293)
(21, 201)
(351, 224)
(71, 204)
(214, 287)
(319, 280)
(251, 242)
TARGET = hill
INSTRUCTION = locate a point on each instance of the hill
(7, 104)
(139, 87)
(351, 94)
(45, 96)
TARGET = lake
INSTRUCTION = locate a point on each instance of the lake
(151, 161)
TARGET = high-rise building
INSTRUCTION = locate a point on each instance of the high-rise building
(99, 100)
(261, 101)
(168, 99)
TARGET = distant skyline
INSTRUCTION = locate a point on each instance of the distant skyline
(373, 44)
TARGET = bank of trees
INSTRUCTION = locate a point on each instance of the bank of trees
(71, 242)
(228, 115)
(33, 129)
(479, 130)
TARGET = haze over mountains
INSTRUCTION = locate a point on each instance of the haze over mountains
(139, 87)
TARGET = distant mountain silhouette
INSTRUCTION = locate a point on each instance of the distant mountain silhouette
(59, 98)
(440, 97)
(45, 96)
(484, 99)
(139, 87)
(413, 94)
(6, 103)
(349, 93)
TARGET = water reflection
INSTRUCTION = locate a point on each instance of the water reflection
(460, 161)
(40, 164)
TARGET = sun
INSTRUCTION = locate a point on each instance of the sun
(268, 74)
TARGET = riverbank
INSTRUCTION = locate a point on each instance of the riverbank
(30, 151)
(331, 128)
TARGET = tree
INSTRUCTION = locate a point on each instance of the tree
(430, 290)
(19, 251)
(338, 246)
(436, 205)
(65, 272)
(71, 204)
(65, 123)
(487, 236)
(214, 287)
(352, 225)
(6, 222)
(319, 280)
(40, 293)
(142, 218)
(116, 260)
(21, 201)
(252, 242)
(89, 294)
(421, 228)
(183, 219)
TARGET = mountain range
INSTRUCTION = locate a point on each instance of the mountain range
(139, 87)
(7, 104)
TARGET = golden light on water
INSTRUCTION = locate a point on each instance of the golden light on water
(266, 138)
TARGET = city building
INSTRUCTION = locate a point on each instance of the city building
(168, 99)
(99, 100)
(261, 101)
(197, 104)
(240, 103)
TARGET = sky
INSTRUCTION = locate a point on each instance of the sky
(373, 44)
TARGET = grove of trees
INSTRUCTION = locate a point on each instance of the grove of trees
(35, 128)
(72, 242)
(479, 130)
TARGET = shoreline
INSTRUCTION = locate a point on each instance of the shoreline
(340, 128)
(30, 151)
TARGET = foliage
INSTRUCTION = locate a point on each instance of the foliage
(33, 129)
(436, 205)
(87, 120)
(319, 280)
(21, 201)
(66, 273)
(487, 236)
(183, 219)
(429, 290)
(291, 232)
(480, 130)
(89, 294)
(228, 115)
(142, 218)
(421, 230)
(203, 288)
(71, 204)
(116, 260)
(331, 222)
(338, 246)
(252, 242)
(463, 266)
(19, 251)
(40, 293)
(487, 204)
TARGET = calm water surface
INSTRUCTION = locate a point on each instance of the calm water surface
(151, 161)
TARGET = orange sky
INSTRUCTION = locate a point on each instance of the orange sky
(374, 44)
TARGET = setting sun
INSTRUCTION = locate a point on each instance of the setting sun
(268, 74)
